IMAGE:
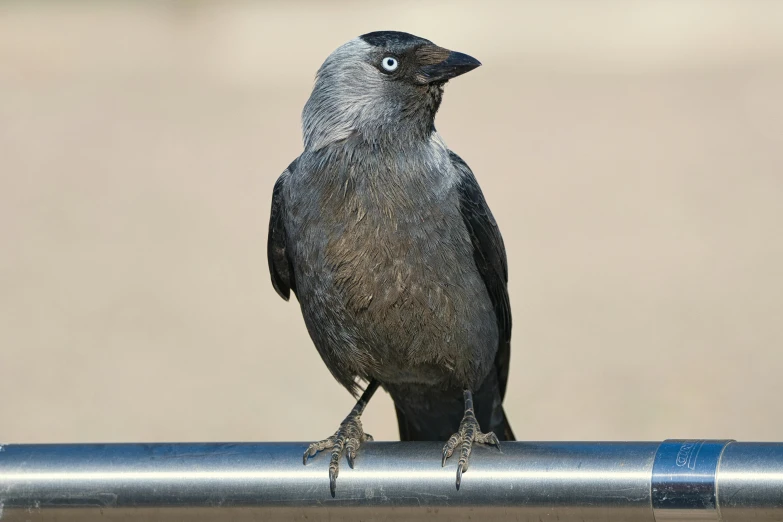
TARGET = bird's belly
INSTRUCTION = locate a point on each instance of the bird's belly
(416, 323)
(409, 304)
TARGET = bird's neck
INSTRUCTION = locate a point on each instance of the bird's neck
(389, 136)
(360, 165)
(401, 136)
(328, 120)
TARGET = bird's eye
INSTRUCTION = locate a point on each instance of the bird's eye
(390, 64)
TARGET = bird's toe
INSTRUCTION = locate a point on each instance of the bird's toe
(315, 447)
(450, 446)
(489, 439)
(469, 433)
(351, 445)
(345, 441)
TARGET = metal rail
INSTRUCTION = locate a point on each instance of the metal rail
(530, 481)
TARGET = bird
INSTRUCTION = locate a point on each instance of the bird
(386, 239)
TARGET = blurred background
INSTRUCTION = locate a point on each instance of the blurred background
(632, 153)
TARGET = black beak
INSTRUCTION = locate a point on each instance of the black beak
(454, 65)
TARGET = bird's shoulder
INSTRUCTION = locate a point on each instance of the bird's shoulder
(466, 181)
(472, 200)
(283, 178)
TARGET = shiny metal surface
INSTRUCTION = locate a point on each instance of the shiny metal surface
(750, 482)
(392, 481)
(529, 481)
(683, 480)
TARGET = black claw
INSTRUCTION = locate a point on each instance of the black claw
(350, 458)
(459, 476)
(445, 456)
(332, 482)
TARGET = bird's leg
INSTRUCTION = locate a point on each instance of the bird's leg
(348, 437)
(469, 432)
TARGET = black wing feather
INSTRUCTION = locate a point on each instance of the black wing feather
(489, 254)
(280, 267)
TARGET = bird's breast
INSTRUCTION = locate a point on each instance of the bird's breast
(386, 266)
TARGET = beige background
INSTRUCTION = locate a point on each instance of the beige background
(632, 153)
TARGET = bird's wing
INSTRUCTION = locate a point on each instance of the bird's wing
(280, 267)
(489, 254)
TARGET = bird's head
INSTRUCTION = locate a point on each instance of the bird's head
(383, 87)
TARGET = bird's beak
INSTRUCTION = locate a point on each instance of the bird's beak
(454, 64)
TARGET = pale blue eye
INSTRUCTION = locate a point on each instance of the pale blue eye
(389, 63)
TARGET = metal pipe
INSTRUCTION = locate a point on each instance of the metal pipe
(528, 481)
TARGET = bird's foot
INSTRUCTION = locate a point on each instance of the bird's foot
(346, 440)
(468, 434)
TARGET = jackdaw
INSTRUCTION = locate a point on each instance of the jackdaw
(397, 263)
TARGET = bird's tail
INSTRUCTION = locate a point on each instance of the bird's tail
(440, 429)
(508, 433)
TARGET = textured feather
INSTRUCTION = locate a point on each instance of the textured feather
(280, 267)
(440, 414)
(489, 253)
(386, 239)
